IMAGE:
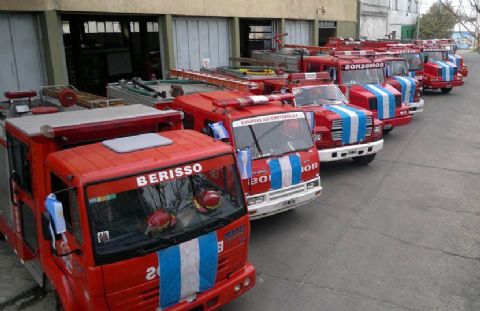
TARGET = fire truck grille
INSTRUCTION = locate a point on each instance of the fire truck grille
(337, 128)
(280, 194)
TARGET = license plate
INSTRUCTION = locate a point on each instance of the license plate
(449, 86)
(352, 152)
(288, 202)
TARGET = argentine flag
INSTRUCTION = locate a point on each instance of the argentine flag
(310, 115)
(354, 123)
(244, 163)
(219, 130)
(447, 70)
(187, 269)
(407, 87)
(385, 100)
(454, 59)
(285, 171)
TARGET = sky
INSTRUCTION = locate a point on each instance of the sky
(425, 5)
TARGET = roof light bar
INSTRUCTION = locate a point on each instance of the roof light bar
(323, 75)
(220, 81)
(354, 53)
(251, 100)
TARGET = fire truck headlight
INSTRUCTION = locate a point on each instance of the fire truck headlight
(255, 200)
(247, 282)
(317, 137)
(313, 184)
(377, 129)
(403, 112)
(237, 288)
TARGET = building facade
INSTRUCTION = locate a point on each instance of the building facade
(89, 43)
(388, 19)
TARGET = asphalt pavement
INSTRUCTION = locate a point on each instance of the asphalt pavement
(400, 234)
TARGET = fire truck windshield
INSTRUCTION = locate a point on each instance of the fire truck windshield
(158, 209)
(363, 76)
(436, 56)
(397, 68)
(414, 60)
(318, 95)
(273, 135)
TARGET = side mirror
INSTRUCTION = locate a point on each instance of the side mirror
(47, 228)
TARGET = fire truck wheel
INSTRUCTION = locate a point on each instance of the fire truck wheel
(386, 131)
(58, 303)
(446, 90)
(364, 160)
(2, 237)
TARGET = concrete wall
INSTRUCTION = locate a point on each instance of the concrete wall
(347, 29)
(342, 10)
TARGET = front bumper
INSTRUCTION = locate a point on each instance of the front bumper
(221, 294)
(281, 200)
(463, 71)
(416, 106)
(347, 152)
(397, 121)
(428, 84)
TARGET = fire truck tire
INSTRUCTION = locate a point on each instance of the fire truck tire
(386, 131)
(446, 90)
(2, 237)
(364, 160)
(58, 303)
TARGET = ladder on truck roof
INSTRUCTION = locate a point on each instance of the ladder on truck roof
(217, 80)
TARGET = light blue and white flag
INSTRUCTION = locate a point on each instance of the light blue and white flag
(412, 74)
(454, 59)
(310, 115)
(187, 269)
(219, 130)
(385, 100)
(244, 163)
(354, 123)
(447, 70)
(407, 88)
(285, 171)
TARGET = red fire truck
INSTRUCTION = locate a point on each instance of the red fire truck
(397, 75)
(360, 77)
(451, 46)
(117, 216)
(340, 130)
(278, 161)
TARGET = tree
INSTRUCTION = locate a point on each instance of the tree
(438, 22)
(466, 13)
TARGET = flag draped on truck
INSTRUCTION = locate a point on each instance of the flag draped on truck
(385, 100)
(407, 88)
(454, 59)
(354, 123)
(285, 171)
(187, 269)
(447, 70)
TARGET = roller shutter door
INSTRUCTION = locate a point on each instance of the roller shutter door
(196, 39)
(299, 32)
(21, 60)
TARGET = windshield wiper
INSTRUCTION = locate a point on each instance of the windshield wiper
(167, 241)
(255, 140)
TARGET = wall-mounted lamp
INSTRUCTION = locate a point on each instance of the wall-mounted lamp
(321, 10)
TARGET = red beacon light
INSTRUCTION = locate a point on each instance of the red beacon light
(253, 100)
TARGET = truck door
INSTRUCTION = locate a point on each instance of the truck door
(72, 264)
(21, 196)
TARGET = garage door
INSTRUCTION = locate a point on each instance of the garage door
(197, 39)
(21, 59)
(299, 32)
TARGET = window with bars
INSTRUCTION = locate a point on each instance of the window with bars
(327, 24)
(101, 27)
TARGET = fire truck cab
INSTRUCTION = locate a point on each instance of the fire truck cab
(362, 80)
(340, 129)
(397, 75)
(438, 72)
(451, 46)
(277, 158)
(117, 216)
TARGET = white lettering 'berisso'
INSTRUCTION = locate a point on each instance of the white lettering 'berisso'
(158, 177)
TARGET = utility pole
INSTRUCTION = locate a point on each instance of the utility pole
(418, 17)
